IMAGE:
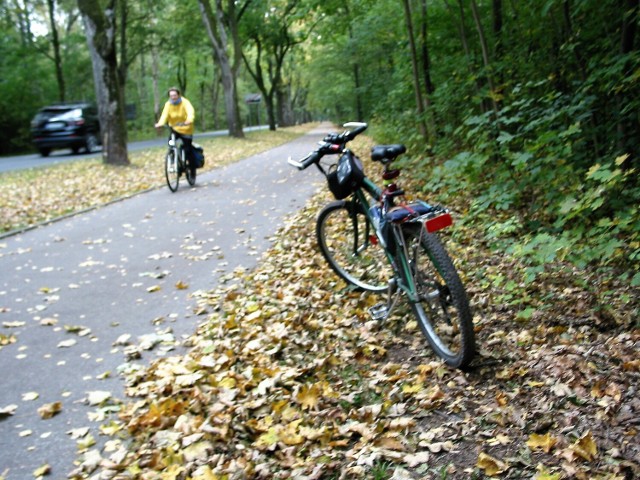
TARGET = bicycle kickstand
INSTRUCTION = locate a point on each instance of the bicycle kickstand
(381, 311)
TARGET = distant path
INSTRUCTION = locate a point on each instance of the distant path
(116, 271)
(34, 160)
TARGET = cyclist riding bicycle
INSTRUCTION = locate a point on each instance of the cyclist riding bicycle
(180, 115)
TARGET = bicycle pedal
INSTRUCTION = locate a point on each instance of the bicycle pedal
(379, 311)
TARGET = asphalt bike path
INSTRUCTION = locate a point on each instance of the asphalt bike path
(83, 298)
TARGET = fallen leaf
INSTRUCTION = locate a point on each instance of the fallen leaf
(8, 410)
(48, 410)
(98, 397)
(585, 447)
(418, 458)
(41, 471)
(491, 466)
(541, 442)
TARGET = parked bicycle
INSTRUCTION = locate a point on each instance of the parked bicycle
(387, 245)
(176, 162)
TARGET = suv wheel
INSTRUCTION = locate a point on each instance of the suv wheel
(91, 143)
(45, 152)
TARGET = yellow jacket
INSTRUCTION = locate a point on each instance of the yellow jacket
(182, 112)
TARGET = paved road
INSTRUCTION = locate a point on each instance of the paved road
(35, 160)
(71, 291)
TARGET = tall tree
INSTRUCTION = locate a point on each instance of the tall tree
(417, 89)
(485, 56)
(273, 30)
(100, 30)
(221, 24)
(55, 43)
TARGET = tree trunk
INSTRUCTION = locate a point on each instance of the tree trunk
(465, 45)
(122, 64)
(629, 124)
(57, 59)
(155, 73)
(497, 27)
(416, 76)
(426, 60)
(485, 56)
(426, 73)
(258, 76)
(100, 31)
(356, 76)
(218, 37)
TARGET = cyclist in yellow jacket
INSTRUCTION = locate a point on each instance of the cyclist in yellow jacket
(180, 115)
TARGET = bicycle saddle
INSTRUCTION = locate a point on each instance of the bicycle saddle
(387, 153)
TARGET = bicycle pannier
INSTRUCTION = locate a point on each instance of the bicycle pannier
(198, 155)
(346, 177)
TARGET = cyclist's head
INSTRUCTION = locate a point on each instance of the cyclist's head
(174, 95)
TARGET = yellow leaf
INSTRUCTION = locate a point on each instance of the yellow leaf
(181, 285)
(585, 447)
(490, 465)
(41, 471)
(269, 439)
(227, 382)
(544, 475)
(415, 388)
(48, 410)
(621, 159)
(541, 442)
(290, 434)
(204, 473)
(593, 170)
(308, 396)
(172, 472)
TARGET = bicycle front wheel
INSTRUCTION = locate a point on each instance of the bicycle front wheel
(171, 170)
(442, 307)
(348, 243)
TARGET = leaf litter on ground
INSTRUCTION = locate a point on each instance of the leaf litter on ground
(289, 378)
(38, 195)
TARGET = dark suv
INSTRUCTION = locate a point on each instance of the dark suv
(71, 125)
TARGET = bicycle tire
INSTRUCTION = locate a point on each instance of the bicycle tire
(442, 309)
(190, 171)
(171, 170)
(345, 237)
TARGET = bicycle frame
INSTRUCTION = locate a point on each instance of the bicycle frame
(177, 146)
(403, 255)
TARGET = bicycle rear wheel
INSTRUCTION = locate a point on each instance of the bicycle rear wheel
(442, 308)
(190, 171)
(171, 170)
(349, 245)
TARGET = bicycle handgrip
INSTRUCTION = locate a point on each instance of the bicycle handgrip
(313, 157)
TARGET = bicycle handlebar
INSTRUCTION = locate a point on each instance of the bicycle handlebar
(332, 143)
